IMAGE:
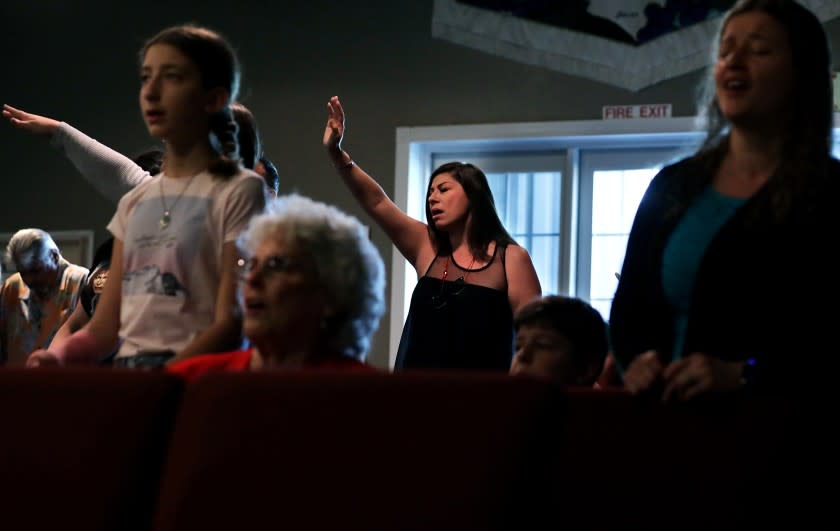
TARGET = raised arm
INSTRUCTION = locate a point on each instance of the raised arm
(409, 235)
(110, 172)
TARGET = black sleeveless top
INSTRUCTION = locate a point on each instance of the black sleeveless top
(459, 318)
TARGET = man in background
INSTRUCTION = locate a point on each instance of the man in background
(38, 298)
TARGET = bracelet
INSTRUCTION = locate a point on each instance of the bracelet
(344, 165)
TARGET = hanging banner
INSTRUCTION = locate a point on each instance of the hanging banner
(626, 43)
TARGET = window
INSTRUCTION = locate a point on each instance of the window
(612, 185)
(567, 191)
(566, 196)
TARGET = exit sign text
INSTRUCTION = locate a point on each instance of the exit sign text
(628, 112)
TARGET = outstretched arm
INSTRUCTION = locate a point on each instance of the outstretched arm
(409, 235)
(110, 172)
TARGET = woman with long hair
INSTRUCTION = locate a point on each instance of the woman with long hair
(472, 275)
(727, 261)
(175, 235)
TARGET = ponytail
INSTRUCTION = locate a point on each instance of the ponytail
(223, 138)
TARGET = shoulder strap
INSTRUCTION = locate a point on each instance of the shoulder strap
(502, 252)
(431, 264)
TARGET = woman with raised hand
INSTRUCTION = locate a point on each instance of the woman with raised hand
(175, 235)
(472, 275)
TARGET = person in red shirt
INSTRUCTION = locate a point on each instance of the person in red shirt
(312, 292)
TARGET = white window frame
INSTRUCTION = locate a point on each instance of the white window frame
(612, 159)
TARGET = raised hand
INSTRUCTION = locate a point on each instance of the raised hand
(40, 125)
(334, 131)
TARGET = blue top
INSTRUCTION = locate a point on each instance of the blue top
(684, 252)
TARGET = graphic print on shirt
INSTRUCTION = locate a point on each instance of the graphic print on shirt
(157, 261)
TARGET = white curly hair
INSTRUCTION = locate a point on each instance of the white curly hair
(348, 265)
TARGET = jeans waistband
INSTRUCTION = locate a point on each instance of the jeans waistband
(144, 360)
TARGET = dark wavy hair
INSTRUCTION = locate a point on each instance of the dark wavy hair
(219, 68)
(806, 146)
(150, 160)
(485, 225)
(248, 135)
(272, 176)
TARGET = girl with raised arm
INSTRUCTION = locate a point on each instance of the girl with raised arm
(174, 247)
(112, 173)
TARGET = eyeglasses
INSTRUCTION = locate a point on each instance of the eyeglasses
(268, 267)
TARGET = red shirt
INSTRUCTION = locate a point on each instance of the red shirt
(240, 360)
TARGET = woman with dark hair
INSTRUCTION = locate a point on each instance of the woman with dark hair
(175, 235)
(727, 261)
(472, 275)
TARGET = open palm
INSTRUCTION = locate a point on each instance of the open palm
(40, 125)
(334, 131)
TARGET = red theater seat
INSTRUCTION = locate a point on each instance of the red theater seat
(628, 463)
(82, 449)
(353, 451)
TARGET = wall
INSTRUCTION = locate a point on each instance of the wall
(76, 61)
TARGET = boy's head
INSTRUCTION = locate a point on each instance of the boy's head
(561, 339)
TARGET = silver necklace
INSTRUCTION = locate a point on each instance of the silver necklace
(167, 212)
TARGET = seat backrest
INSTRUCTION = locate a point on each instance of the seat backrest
(352, 451)
(82, 449)
(630, 463)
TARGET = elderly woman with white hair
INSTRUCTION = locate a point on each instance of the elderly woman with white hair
(312, 292)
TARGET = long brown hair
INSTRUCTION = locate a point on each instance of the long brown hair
(485, 225)
(806, 146)
(219, 67)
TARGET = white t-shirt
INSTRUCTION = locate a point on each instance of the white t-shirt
(171, 274)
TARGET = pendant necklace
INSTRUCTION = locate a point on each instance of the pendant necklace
(440, 300)
(462, 278)
(167, 215)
